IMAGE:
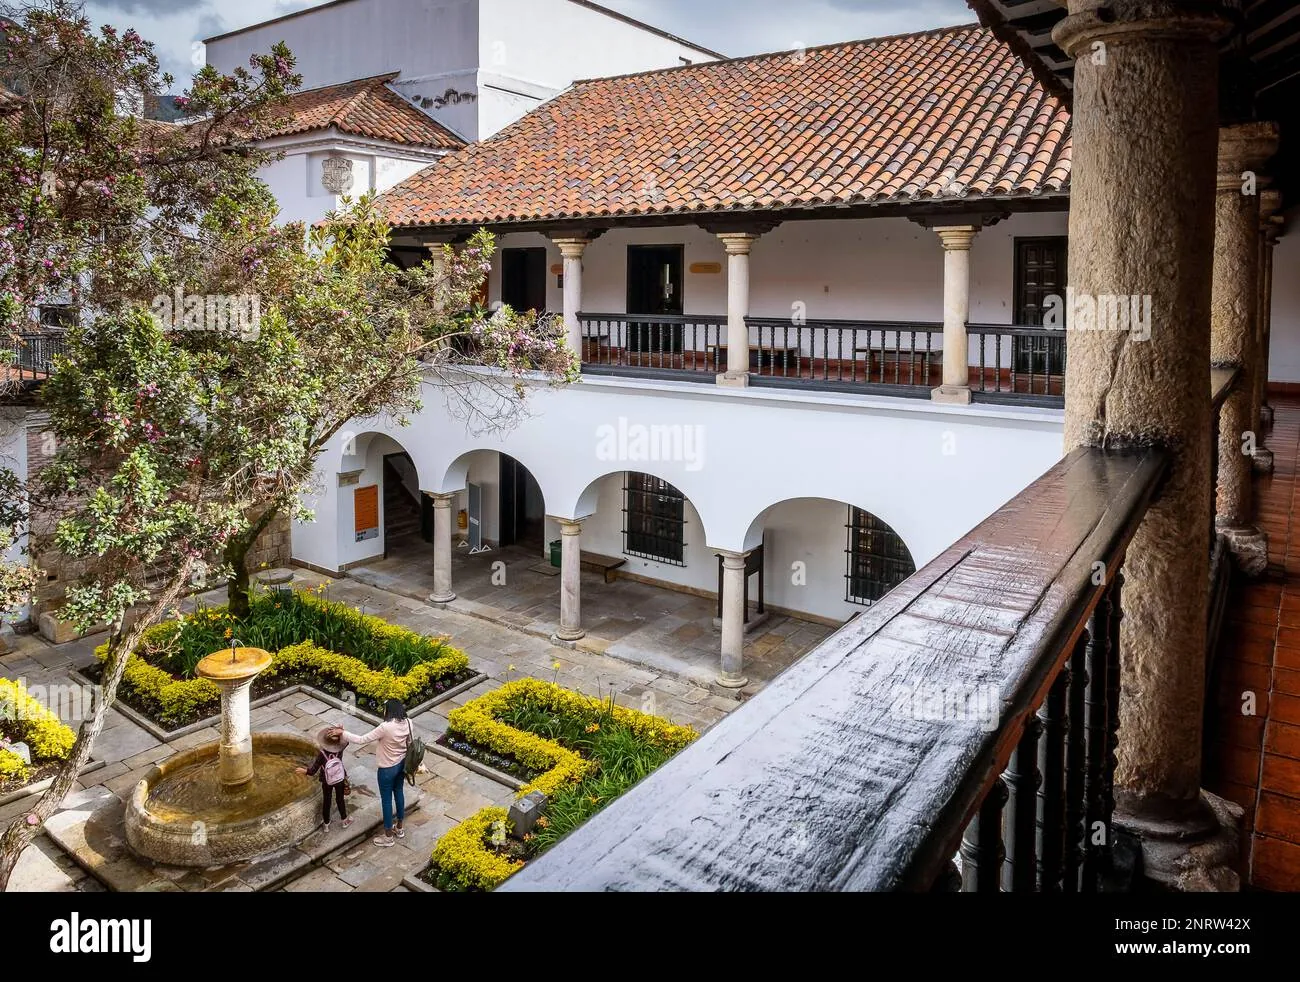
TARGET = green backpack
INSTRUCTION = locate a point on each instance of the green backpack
(414, 753)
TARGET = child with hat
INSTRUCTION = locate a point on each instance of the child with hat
(328, 765)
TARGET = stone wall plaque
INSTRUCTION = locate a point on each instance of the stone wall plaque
(336, 175)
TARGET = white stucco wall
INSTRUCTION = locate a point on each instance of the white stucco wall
(362, 38)
(932, 472)
(1284, 346)
(295, 178)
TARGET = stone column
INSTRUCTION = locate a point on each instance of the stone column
(442, 590)
(956, 241)
(438, 258)
(1270, 204)
(1243, 152)
(570, 581)
(737, 245)
(733, 620)
(572, 250)
(1142, 224)
(235, 756)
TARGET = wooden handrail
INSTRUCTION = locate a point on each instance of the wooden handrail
(818, 782)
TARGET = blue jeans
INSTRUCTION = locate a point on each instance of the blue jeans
(391, 786)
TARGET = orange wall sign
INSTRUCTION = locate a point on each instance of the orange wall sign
(709, 268)
(365, 509)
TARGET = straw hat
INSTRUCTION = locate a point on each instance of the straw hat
(331, 739)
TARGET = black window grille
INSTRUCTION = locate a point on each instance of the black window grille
(654, 519)
(878, 559)
(58, 316)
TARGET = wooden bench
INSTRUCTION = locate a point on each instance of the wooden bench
(594, 562)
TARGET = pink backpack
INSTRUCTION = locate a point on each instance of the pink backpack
(335, 773)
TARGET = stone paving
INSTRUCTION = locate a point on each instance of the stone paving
(660, 629)
(449, 791)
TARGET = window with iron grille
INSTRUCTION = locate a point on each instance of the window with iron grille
(878, 559)
(654, 519)
(58, 316)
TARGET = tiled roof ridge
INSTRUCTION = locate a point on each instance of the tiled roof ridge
(764, 55)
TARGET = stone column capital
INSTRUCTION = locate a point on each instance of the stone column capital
(570, 526)
(1270, 205)
(441, 499)
(1245, 147)
(738, 243)
(1156, 20)
(572, 247)
(733, 560)
(957, 238)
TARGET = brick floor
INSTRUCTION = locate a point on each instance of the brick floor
(1253, 758)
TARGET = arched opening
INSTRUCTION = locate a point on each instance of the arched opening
(828, 558)
(501, 504)
(408, 514)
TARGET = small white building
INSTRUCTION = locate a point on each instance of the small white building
(474, 65)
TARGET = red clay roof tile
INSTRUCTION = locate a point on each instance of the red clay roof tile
(941, 115)
(365, 107)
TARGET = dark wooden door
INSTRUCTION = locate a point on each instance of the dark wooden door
(654, 286)
(523, 279)
(1042, 263)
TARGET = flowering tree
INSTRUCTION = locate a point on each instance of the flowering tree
(219, 353)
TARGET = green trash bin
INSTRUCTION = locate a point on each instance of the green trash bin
(555, 553)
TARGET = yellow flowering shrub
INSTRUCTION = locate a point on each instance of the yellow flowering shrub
(463, 853)
(178, 699)
(477, 722)
(24, 719)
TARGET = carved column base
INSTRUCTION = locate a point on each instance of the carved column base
(1249, 548)
(1196, 852)
(956, 395)
(1262, 461)
(738, 380)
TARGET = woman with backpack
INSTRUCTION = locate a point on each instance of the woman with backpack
(333, 776)
(393, 737)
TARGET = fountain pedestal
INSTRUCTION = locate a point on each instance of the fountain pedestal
(233, 673)
(232, 801)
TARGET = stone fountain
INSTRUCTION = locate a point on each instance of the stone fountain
(230, 801)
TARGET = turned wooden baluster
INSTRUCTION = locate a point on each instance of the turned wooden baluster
(1019, 871)
(981, 845)
(1051, 793)
(1075, 766)
(1097, 738)
(1111, 759)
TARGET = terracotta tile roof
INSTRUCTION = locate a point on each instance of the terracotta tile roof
(942, 116)
(365, 107)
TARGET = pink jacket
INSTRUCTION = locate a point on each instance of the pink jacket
(393, 736)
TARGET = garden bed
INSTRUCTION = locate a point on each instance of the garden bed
(581, 752)
(24, 720)
(317, 643)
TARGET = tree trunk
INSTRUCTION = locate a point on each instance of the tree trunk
(238, 589)
(239, 592)
(23, 831)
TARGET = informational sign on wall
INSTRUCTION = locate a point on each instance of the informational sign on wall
(365, 510)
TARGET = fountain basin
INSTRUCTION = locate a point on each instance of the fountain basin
(183, 813)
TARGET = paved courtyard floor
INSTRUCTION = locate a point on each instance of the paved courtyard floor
(659, 629)
(449, 792)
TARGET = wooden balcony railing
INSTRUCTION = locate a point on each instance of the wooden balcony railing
(1010, 364)
(961, 733)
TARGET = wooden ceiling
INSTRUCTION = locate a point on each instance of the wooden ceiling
(1260, 67)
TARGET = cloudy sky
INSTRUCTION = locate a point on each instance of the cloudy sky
(734, 27)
